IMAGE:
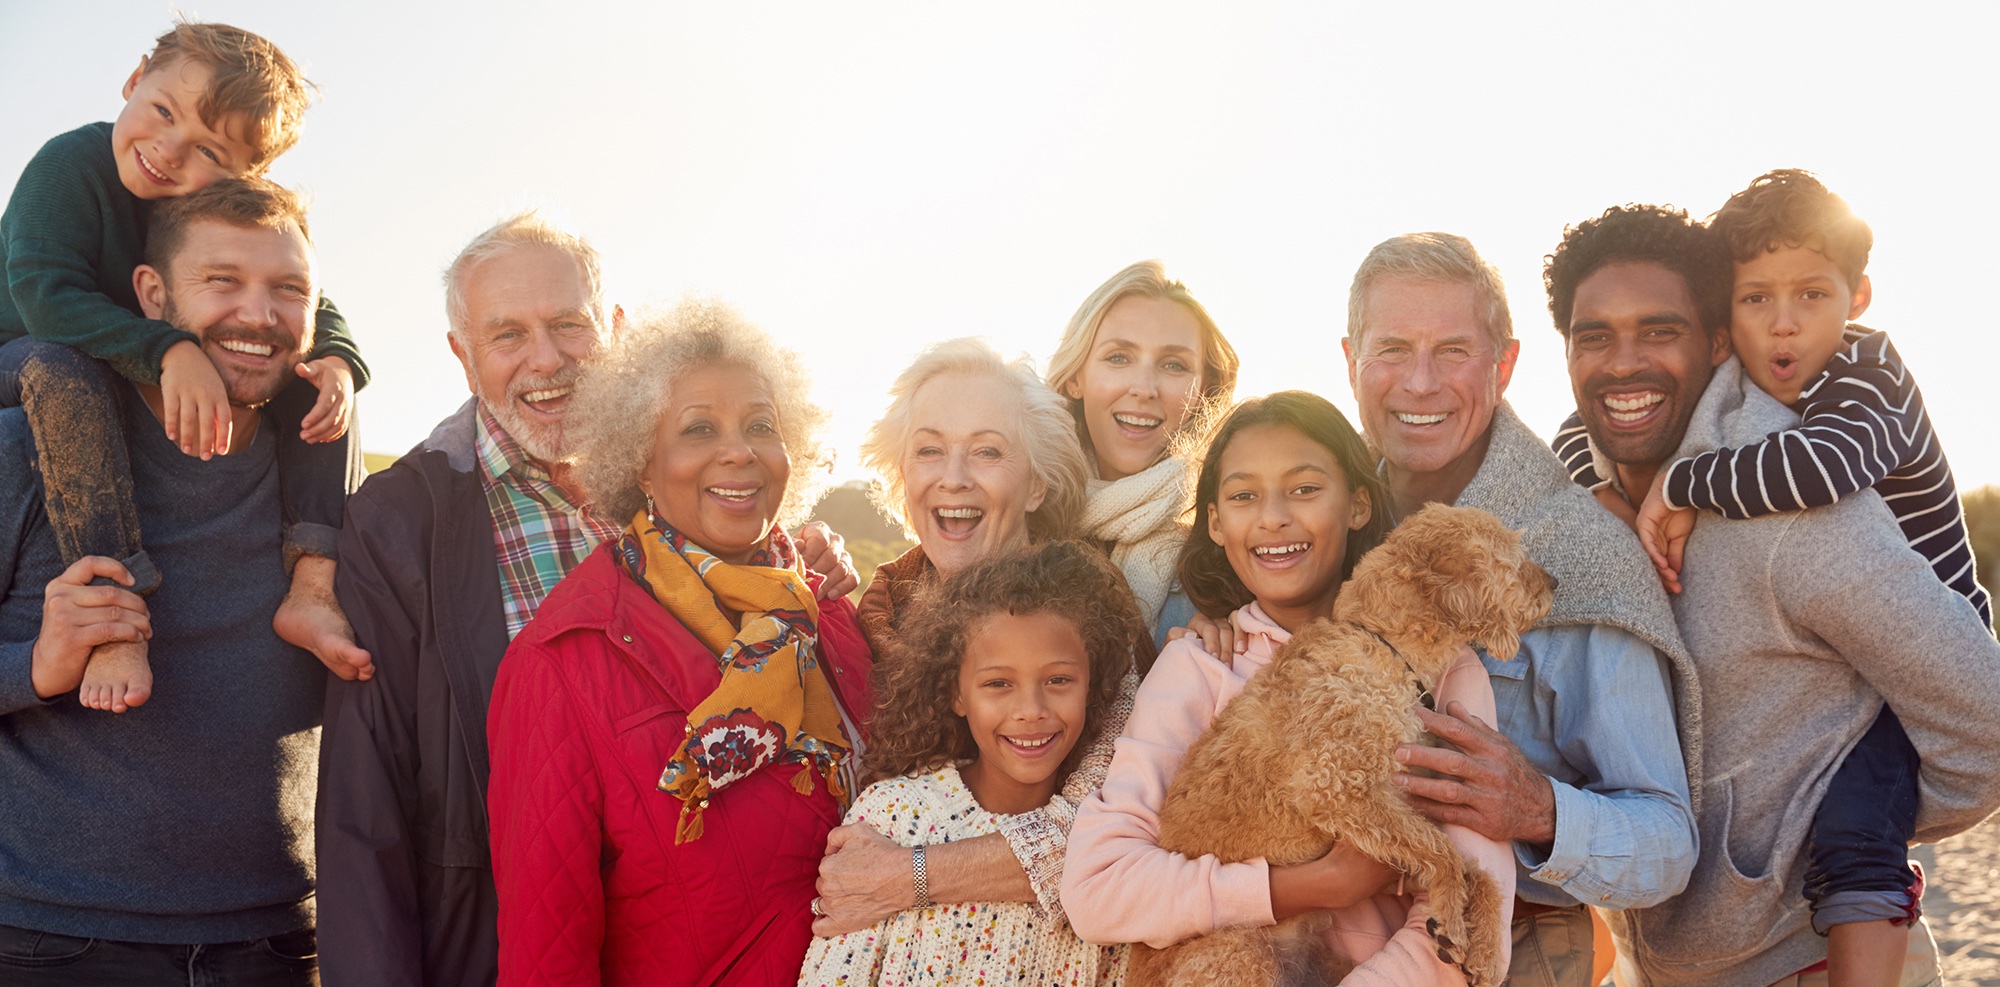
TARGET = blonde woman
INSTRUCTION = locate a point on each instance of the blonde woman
(1140, 360)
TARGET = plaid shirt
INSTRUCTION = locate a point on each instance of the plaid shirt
(539, 534)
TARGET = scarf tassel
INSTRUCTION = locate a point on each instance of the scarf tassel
(689, 827)
(802, 782)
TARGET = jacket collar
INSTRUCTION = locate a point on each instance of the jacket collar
(598, 596)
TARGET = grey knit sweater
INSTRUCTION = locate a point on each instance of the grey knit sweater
(1603, 577)
(1801, 625)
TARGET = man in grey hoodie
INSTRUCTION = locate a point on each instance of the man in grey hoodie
(1800, 624)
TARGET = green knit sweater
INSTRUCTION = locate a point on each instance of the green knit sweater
(69, 240)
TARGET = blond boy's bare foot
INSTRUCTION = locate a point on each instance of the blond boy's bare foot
(312, 619)
(118, 677)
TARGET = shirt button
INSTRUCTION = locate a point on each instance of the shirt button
(628, 639)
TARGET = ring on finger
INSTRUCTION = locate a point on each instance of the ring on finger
(817, 911)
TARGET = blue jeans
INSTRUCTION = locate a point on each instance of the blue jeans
(34, 959)
(1858, 855)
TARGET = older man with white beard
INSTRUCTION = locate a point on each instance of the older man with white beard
(444, 558)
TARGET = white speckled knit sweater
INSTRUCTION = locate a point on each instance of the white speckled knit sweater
(990, 943)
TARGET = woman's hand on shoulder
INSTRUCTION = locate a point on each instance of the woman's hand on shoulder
(1218, 638)
(1343, 877)
(864, 878)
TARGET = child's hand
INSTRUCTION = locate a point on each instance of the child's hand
(329, 416)
(196, 405)
(1663, 531)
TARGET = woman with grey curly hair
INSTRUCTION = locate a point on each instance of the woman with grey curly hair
(682, 680)
(977, 457)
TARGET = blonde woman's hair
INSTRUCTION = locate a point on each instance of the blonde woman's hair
(1435, 257)
(523, 230)
(1048, 435)
(618, 403)
(1146, 279)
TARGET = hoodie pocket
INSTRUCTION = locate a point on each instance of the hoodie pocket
(1744, 861)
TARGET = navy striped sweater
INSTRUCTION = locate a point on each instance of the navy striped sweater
(1862, 424)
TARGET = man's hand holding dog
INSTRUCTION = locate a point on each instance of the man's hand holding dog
(1487, 786)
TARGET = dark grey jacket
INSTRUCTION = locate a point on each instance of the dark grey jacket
(405, 877)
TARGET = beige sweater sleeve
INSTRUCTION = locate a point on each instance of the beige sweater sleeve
(1040, 839)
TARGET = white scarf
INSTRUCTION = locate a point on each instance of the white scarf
(1140, 516)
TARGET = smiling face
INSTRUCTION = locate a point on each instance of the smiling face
(247, 292)
(162, 146)
(719, 465)
(1427, 374)
(1024, 691)
(968, 488)
(1639, 359)
(1139, 383)
(1282, 514)
(1791, 307)
(530, 325)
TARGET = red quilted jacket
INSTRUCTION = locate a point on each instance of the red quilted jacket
(590, 703)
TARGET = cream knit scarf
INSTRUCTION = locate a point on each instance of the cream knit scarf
(1140, 517)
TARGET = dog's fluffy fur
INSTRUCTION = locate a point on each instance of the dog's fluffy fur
(1304, 757)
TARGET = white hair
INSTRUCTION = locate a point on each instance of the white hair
(522, 230)
(1440, 258)
(1048, 435)
(617, 406)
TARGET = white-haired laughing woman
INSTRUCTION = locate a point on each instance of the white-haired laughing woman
(976, 457)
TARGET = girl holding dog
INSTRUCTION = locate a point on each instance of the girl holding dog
(1287, 502)
(1004, 674)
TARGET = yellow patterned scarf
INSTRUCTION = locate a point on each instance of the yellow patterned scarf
(773, 705)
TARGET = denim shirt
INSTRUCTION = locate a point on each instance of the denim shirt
(1591, 706)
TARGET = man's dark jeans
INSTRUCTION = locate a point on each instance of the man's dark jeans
(34, 959)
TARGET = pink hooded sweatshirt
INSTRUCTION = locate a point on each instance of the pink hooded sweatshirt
(1119, 886)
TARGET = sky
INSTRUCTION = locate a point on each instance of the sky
(862, 180)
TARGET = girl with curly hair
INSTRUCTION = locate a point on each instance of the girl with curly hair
(1006, 673)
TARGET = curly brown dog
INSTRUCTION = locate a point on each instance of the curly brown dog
(1304, 757)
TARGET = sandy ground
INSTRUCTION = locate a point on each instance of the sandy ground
(1963, 902)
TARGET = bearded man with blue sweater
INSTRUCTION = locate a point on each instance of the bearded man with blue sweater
(175, 839)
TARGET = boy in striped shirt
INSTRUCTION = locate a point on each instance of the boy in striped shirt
(1799, 259)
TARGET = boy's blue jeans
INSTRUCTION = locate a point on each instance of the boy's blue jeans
(75, 409)
(1858, 859)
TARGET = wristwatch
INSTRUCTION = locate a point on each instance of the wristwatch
(923, 877)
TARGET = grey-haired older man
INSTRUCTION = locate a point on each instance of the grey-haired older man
(1587, 772)
(445, 556)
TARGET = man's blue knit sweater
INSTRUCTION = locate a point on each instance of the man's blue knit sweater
(188, 819)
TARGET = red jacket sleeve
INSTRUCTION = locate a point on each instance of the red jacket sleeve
(547, 804)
